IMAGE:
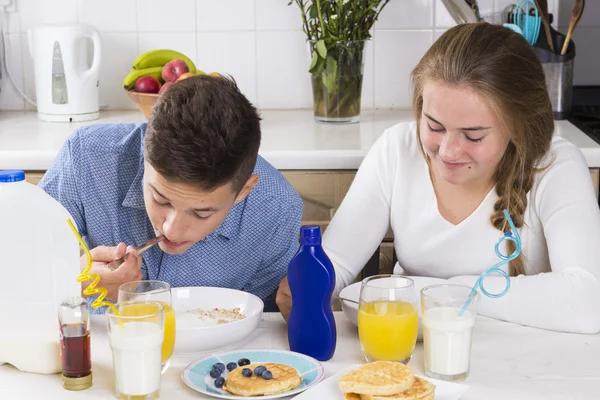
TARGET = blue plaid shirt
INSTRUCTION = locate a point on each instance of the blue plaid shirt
(97, 176)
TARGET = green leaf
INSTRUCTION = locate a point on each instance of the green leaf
(316, 64)
(321, 48)
(330, 74)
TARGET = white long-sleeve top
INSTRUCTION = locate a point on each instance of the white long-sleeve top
(560, 238)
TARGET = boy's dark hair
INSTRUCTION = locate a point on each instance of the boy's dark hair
(203, 131)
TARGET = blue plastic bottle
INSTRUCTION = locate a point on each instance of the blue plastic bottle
(311, 327)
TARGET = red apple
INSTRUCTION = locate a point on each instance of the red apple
(174, 69)
(164, 87)
(147, 84)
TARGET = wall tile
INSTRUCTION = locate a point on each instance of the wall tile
(223, 15)
(282, 62)
(166, 15)
(109, 15)
(277, 15)
(401, 14)
(396, 54)
(230, 53)
(36, 12)
(10, 99)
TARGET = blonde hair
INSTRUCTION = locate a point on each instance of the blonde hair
(501, 66)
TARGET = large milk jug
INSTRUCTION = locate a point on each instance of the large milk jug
(39, 265)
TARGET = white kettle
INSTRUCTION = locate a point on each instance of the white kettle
(66, 88)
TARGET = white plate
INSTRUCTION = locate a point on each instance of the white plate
(329, 389)
(197, 377)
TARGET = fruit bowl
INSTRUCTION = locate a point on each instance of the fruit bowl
(143, 101)
(196, 332)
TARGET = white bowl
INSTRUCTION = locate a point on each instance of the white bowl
(194, 336)
(350, 309)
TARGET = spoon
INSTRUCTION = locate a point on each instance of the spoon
(348, 300)
(575, 17)
(140, 249)
(542, 6)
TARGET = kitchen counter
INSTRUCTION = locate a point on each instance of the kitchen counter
(291, 139)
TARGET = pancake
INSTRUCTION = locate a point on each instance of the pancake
(284, 378)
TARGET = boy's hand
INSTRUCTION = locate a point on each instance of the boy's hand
(130, 270)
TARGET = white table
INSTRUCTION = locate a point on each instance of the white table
(509, 362)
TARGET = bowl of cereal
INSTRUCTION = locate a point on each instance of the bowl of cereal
(213, 318)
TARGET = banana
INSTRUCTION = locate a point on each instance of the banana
(159, 57)
(133, 76)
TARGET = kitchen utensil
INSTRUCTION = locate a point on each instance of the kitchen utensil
(542, 6)
(475, 7)
(513, 236)
(529, 24)
(460, 11)
(513, 27)
(575, 17)
(348, 300)
(558, 71)
(140, 249)
(66, 88)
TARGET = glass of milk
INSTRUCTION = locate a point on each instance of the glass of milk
(136, 336)
(447, 337)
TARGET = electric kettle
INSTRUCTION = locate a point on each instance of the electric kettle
(66, 86)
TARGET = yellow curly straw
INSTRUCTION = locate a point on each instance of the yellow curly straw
(85, 275)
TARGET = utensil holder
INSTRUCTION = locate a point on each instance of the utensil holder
(558, 70)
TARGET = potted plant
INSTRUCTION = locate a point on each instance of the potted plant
(337, 31)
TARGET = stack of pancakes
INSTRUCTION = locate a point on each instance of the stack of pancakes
(385, 380)
(284, 378)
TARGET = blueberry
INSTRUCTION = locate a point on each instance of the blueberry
(219, 382)
(214, 373)
(267, 375)
(259, 370)
(231, 366)
(247, 372)
(219, 366)
(243, 361)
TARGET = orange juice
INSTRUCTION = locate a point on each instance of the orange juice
(388, 330)
(131, 310)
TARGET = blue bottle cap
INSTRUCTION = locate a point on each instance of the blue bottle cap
(11, 175)
(310, 235)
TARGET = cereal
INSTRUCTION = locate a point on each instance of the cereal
(219, 315)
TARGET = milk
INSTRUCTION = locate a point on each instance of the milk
(136, 348)
(447, 342)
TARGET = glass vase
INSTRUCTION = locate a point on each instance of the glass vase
(337, 76)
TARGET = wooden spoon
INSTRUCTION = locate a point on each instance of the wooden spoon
(542, 6)
(575, 17)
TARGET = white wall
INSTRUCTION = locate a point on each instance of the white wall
(259, 42)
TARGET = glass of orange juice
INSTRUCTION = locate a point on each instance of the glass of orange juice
(388, 319)
(137, 294)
